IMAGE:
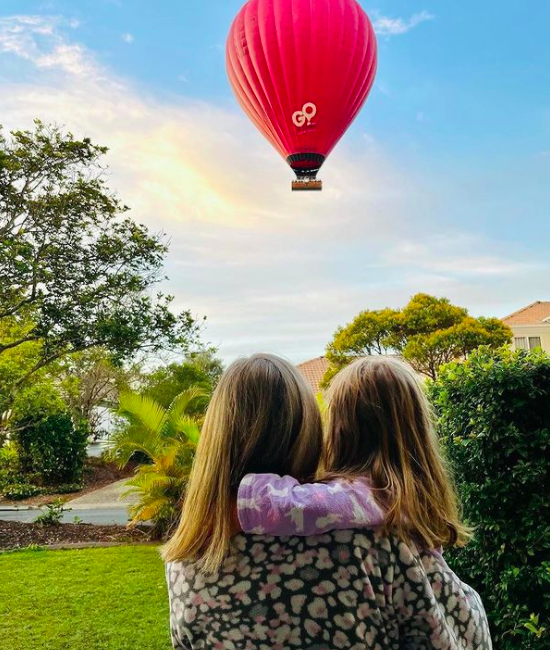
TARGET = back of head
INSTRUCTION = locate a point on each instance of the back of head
(262, 418)
(380, 426)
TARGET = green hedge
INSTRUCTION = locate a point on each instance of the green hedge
(494, 420)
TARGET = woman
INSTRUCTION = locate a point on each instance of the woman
(343, 589)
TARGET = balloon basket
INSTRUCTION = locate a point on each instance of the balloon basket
(312, 185)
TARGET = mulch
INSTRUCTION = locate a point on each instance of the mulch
(17, 535)
(98, 474)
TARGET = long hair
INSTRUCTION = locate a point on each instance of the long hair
(263, 418)
(380, 426)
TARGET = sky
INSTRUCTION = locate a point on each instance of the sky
(441, 185)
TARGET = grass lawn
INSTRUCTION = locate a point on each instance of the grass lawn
(92, 599)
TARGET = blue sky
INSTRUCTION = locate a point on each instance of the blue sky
(441, 185)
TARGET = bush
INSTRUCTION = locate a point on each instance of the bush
(494, 420)
(52, 447)
(19, 491)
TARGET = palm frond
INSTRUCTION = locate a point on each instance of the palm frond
(123, 444)
(142, 410)
(148, 483)
(149, 510)
(186, 430)
(185, 401)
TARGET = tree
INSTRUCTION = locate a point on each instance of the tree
(429, 332)
(166, 438)
(369, 333)
(200, 369)
(15, 363)
(90, 382)
(73, 266)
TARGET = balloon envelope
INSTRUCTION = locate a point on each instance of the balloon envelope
(302, 70)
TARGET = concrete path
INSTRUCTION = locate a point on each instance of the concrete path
(108, 497)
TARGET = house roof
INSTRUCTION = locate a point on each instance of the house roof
(534, 314)
(314, 371)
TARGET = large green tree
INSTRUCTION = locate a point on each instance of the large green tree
(76, 271)
(429, 332)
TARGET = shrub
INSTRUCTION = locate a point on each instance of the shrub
(53, 514)
(10, 473)
(52, 447)
(494, 420)
(19, 491)
(166, 438)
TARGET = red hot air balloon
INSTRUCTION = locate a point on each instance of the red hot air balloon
(302, 70)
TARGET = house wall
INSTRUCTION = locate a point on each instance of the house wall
(533, 330)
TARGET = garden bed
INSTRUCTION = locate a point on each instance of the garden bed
(17, 535)
(97, 474)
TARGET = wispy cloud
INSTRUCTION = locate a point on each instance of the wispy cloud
(128, 38)
(388, 26)
(40, 41)
(457, 255)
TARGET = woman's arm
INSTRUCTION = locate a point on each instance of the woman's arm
(177, 636)
(432, 606)
(271, 504)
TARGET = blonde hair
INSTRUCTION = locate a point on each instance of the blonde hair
(380, 425)
(262, 418)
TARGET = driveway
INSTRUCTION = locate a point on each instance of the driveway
(107, 497)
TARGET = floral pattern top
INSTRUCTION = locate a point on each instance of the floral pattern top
(280, 505)
(346, 589)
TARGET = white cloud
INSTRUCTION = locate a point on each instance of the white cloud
(128, 38)
(38, 40)
(458, 255)
(272, 270)
(387, 26)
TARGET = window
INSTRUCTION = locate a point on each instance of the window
(520, 343)
(534, 342)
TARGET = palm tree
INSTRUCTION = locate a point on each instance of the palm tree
(166, 439)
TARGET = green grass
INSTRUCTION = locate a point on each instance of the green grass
(92, 599)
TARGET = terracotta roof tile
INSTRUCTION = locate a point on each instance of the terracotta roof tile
(314, 371)
(533, 314)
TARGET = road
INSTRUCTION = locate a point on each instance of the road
(87, 515)
(107, 505)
